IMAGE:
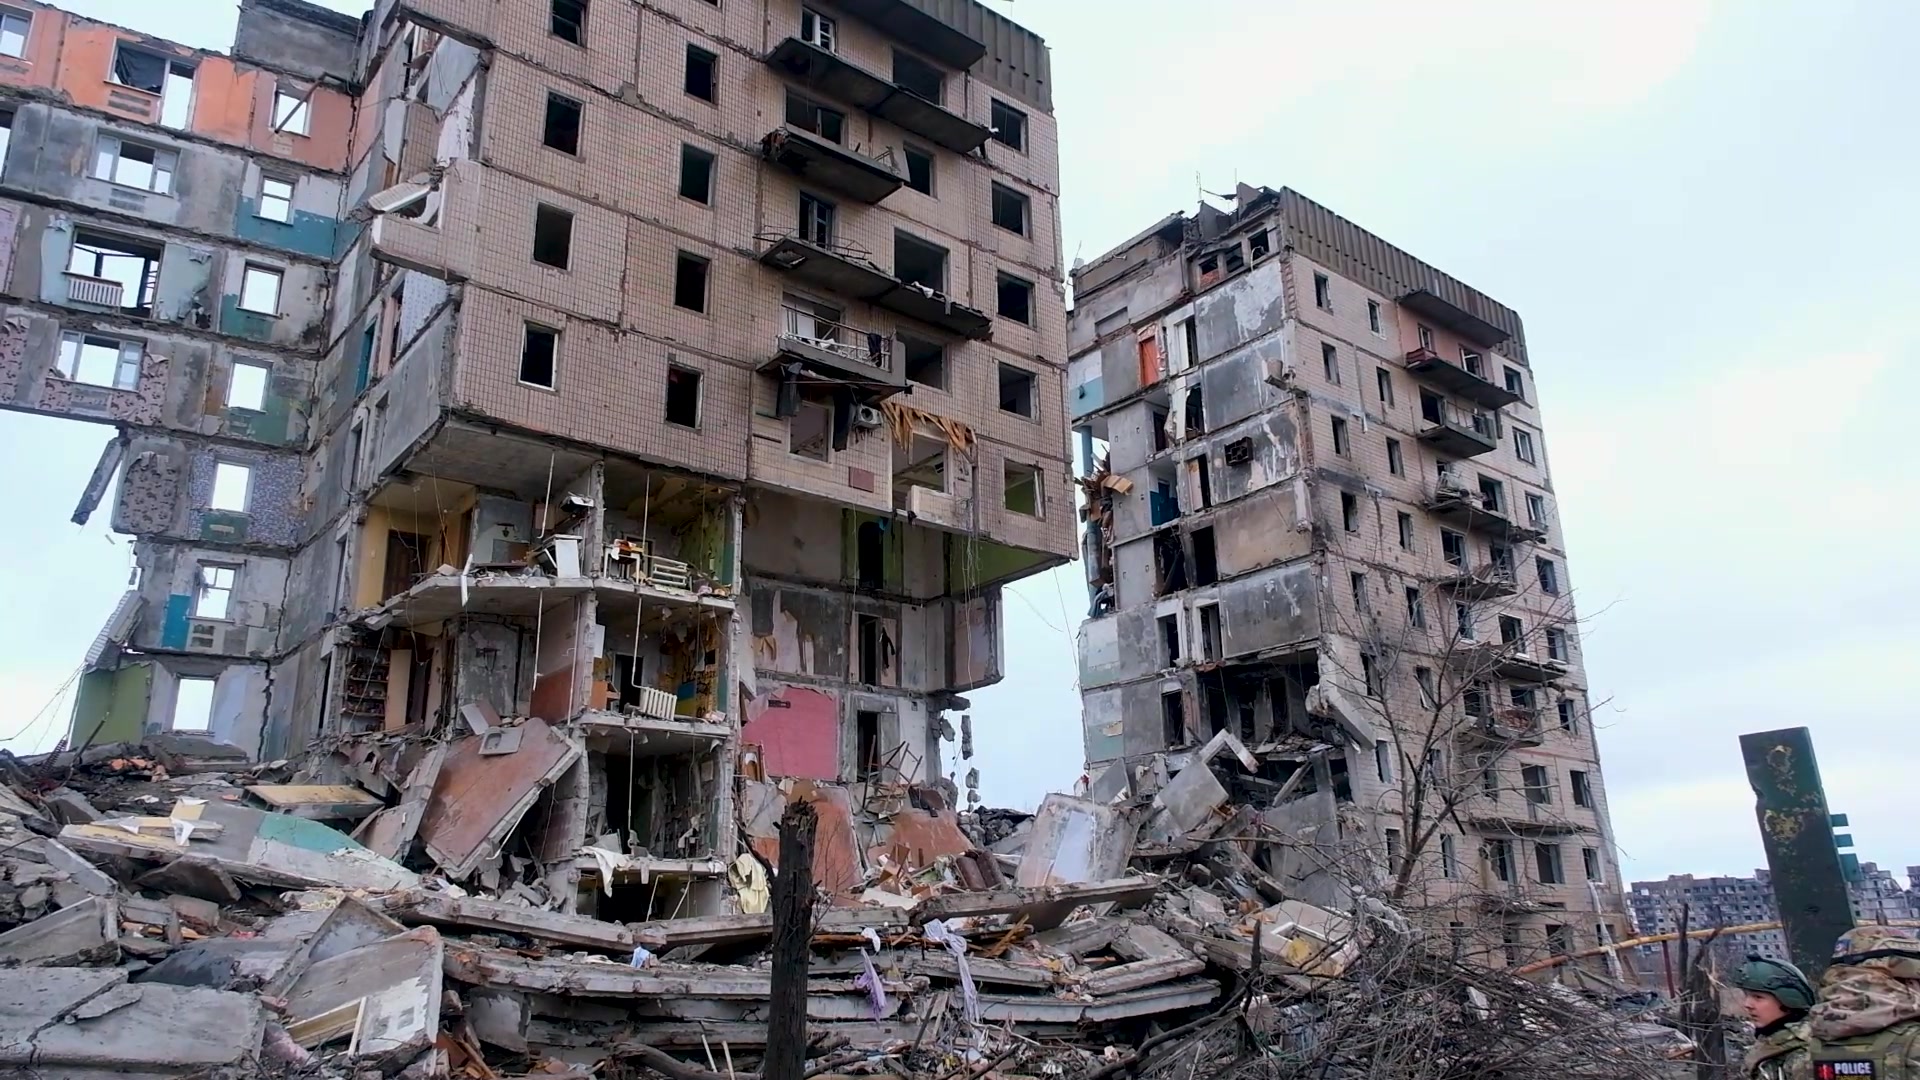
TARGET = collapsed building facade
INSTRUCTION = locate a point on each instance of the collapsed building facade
(1319, 518)
(658, 393)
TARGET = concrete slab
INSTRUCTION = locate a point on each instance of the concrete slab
(478, 800)
(397, 983)
(1075, 840)
(86, 1022)
(87, 932)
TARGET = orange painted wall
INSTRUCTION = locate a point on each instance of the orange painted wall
(231, 103)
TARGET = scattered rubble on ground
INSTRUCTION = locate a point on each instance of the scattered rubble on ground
(175, 910)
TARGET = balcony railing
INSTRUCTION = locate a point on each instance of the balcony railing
(1460, 433)
(1482, 582)
(91, 290)
(853, 344)
(1455, 378)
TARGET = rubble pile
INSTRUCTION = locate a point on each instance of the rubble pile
(175, 910)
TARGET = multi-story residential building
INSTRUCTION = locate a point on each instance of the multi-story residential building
(684, 376)
(1321, 515)
(1875, 896)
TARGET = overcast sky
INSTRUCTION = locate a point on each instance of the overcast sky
(1705, 214)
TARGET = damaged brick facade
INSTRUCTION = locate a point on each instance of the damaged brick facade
(1319, 518)
(660, 372)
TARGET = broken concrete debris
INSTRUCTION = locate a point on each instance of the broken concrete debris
(138, 898)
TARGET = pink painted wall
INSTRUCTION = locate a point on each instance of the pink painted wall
(798, 732)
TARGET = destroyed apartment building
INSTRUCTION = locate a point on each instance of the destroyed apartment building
(553, 418)
(1319, 518)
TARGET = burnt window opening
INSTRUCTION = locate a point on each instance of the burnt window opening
(1016, 391)
(1322, 292)
(1206, 568)
(876, 648)
(1236, 261)
(925, 361)
(1203, 479)
(690, 282)
(1260, 245)
(1015, 299)
(870, 555)
(1463, 620)
(1330, 362)
(916, 262)
(539, 356)
(867, 759)
(1582, 787)
(1431, 407)
(696, 175)
(1239, 451)
(1169, 564)
(568, 21)
(1157, 420)
(1209, 264)
(1194, 414)
(563, 124)
(1173, 718)
(1357, 585)
(1515, 384)
(683, 396)
(1370, 675)
(702, 74)
(1396, 462)
(1350, 511)
(917, 77)
(1169, 640)
(1010, 209)
(1215, 696)
(809, 115)
(552, 236)
(1383, 385)
(919, 169)
(1342, 442)
(1453, 548)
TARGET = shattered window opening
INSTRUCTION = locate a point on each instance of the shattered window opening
(1350, 511)
(1406, 531)
(247, 386)
(97, 360)
(816, 220)
(816, 29)
(690, 282)
(919, 78)
(562, 127)
(696, 174)
(192, 704)
(1322, 292)
(1396, 463)
(232, 483)
(1010, 209)
(1020, 490)
(917, 262)
(809, 430)
(1169, 640)
(135, 165)
(683, 396)
(568, 21)
(809, 115)
(1206, 566)
(552, 236)
(919, 169)
(1449, 859)
(1582, 786)
(1330, 362)
(925, 360)
(1015, 299)
(1008, 124)
(1373, 315)
(1173, 718)
(1549, 575)
(213, 591)
(539, 356)
(1016, 391)
(1341, 444)
(123, 273)
(702, 74)
(260, 289)
(292, 113)
(1546, 859)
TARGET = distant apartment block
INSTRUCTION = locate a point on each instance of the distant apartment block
(685, 376)
(1321, 518)
(1876, 896)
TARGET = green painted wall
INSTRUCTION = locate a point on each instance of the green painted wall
(111, 706)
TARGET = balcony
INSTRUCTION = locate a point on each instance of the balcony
(1457, 434)
(846, 271)
(1509, 897)
(836, 351)
(1430, 305)
(1537, 818)
(1484, 582)
(97, 291)
(1505, 727)
(1455, 379)
(1508, 661)
(1472, 511)
(909, 24)
(830, 165)
(828, 74)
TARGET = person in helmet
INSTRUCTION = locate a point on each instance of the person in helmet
(1777, 999)
(1867, 1021)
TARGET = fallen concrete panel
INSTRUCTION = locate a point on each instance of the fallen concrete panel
(84, 933)
(391, 831)
(1075, 840)
(739, 1034)
(730, 929)
(82, 1023)
(1034, 1009)
(1042, 908)
(503, 969)
(193, 875)
(1187, 802)
(253, 846)
(318, 801)
(439, 909)
(479, 799)
(397, 985)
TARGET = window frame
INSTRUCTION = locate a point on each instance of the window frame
(1001, 280)
(246, 494)
(203, 588)
(278, 274)
(1523, 445)
(1017, 201)
(554, 97)
(25, 16)
(260, 204)
(699, 395)
(155, 168)
(688, 150)
(712, 59)
(126, 372)
(529, 329)
(297, 119)
(1028, 470)
(266, 380)
(1021, 125)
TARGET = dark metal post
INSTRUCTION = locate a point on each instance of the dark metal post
(1796, 828)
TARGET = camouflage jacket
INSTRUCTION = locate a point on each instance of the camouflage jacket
(1781, 1055)
(1867, 1021)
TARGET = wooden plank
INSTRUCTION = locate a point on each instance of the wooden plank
(317, 801)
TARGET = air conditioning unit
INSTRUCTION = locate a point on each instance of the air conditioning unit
(867, 416)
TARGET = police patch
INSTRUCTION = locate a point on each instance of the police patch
(1858, 1069)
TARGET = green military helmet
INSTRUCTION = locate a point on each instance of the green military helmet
(1776, 977)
